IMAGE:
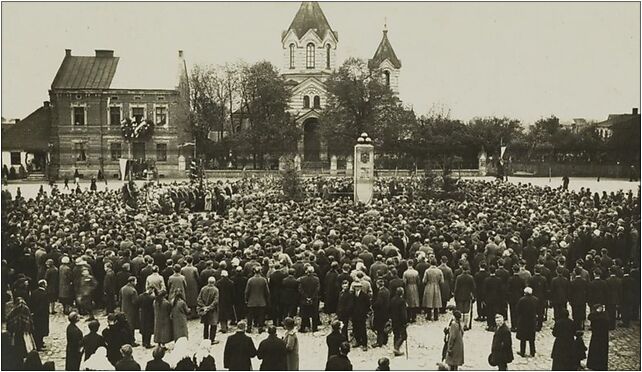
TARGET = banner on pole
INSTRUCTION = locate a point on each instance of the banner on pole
(124, 165)
(502, 151)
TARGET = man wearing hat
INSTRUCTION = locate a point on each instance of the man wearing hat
(360, 310)
(527, 308)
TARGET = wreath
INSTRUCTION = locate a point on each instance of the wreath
(133, 129)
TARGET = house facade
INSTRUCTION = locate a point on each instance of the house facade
(85, 115)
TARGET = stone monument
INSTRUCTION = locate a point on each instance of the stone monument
(363, 169)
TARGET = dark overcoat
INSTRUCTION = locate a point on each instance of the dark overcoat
(463, 292)
(273, 353)
(526, 317)
(225, 298)
(146, 305)
(338, 363)
(39, 306)
(502, 346)
(564, 333)
(239, 351)
(598, 353)
(162, 321)
(381, 308)
(179, 319)
(129, 305)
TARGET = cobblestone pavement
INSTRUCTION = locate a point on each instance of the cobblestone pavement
(424, 347)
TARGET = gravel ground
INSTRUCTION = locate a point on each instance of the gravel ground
(424, 347)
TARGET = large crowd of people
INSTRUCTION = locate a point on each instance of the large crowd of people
(240, 258)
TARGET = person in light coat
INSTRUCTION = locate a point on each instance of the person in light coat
(433, 278)
(207, 305)
(411, 289)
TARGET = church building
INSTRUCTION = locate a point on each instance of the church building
(309, 57)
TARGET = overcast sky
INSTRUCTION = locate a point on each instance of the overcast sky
(522, 60)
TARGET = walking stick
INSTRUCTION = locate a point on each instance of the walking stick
(470, 317)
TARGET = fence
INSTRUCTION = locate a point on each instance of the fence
(574, 170)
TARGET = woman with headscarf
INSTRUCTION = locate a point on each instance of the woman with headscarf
(203, 357)
(98, 361)
(291, 344)
(180, 358)
(20, 326)
(157, 363)
(162, 321)
(179, 317)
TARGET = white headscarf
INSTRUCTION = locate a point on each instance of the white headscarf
(98, 361)
(203, 351)
(180, 352)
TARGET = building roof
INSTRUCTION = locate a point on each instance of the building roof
(618, 118)
(30, 134)
(94, 72)
(310, 16)
(384, 51)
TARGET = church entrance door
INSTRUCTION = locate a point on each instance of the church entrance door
(311, 140)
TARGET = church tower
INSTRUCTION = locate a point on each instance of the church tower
(309, 57)
(387, 62)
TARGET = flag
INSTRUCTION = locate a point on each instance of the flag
(123, 168)
(502, 151)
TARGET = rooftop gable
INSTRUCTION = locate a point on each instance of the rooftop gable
(86, 72)
(384, 51)
(310, 17)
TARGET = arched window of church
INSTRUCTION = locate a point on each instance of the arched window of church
(309, 56)
(292, 46)
(386, 75)
(327, 56)
(317, 102)
(306, 101)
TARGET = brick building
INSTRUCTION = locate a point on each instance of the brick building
(86, 111)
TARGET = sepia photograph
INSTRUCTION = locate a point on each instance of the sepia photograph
(341, 185)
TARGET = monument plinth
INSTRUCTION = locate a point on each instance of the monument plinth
(363, 170)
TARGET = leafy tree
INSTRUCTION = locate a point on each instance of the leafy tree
(439, 140)
(270, 129)
(359, 102)
(491, 132)
(291, 182)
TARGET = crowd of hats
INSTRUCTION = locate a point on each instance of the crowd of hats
(258, 223)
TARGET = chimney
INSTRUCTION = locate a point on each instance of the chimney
(104, 53)
(45, 103)
(635, 111)
(17, 121)
(180, 54)
(68, 52)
